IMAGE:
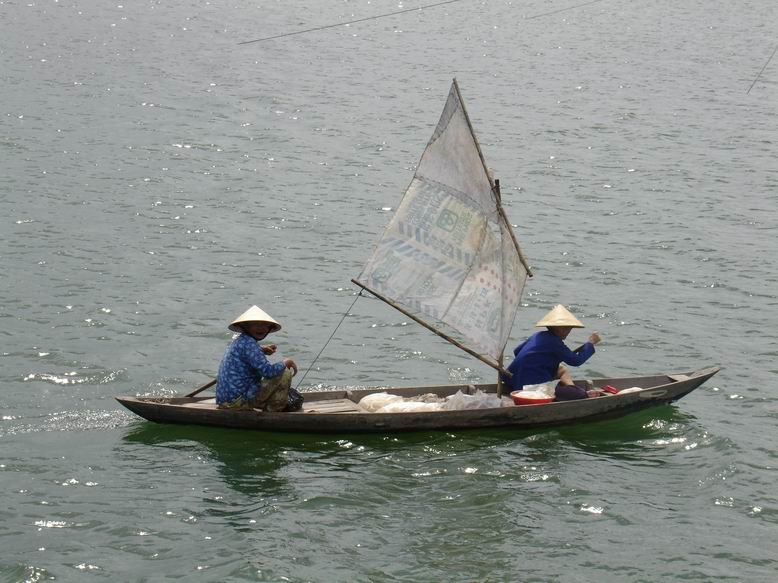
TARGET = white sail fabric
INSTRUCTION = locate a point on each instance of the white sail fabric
(447, 254)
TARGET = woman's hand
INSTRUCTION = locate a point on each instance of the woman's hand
(289, 363)
(269, 348)
(594, 338)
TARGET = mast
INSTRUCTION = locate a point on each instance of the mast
(495, 184)
(498, 197)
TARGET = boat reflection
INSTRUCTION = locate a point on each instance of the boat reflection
(249, 463)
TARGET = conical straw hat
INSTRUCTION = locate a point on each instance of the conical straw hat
(560, 316)
(254, 314)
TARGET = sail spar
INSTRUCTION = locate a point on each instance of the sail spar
(448, 256)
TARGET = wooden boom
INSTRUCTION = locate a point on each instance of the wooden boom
(431, 328)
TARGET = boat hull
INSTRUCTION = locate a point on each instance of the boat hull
(339, 412)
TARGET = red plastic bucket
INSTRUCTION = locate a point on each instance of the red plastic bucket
(530, 398)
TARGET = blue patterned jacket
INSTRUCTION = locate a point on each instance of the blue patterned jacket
(243, 367)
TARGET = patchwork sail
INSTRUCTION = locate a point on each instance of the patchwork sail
(449, 257)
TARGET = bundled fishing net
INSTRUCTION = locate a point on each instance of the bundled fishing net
(387, 403)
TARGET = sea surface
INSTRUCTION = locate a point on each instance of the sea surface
(157, 178)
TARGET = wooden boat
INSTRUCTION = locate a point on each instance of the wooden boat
(340, 411)
(450, 261)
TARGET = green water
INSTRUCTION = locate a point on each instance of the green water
(147, 501)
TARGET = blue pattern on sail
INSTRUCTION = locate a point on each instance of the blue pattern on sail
(447, 253)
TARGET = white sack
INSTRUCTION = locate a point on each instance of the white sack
(480, 400)
(375, 401)
(403, 406)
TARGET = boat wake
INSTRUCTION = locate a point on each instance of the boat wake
(76, 420)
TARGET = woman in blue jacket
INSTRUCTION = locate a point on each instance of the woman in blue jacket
(539, 358)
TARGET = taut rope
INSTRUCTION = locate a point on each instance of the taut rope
(346, 313)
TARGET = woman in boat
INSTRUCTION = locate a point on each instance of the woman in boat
(539, 358)
(247, 379)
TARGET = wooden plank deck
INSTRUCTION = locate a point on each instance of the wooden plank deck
(318, 406)
(205, 404)
(332, 406)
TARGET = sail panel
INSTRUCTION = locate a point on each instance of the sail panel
(447, 255)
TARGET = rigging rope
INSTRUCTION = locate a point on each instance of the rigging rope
(762, 71)
(558, 10)
(326, 26)
(350, 22)
(330, 338)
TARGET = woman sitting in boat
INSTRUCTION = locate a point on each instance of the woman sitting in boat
(247, 379)
(539, 358)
